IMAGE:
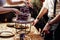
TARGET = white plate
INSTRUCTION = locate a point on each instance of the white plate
(6, 33)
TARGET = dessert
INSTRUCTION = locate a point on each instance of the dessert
(24, 17)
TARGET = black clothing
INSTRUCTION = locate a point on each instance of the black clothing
(8, 16)
(57, 33)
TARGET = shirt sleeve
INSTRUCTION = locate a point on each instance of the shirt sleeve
(45, 4)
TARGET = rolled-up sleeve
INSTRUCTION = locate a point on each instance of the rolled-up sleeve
(45, 4)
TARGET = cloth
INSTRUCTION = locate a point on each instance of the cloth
(49, 4)
(57, 33)
(49, 36)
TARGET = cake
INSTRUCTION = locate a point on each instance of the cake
(24, 17)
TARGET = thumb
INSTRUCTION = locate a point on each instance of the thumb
(33, 23)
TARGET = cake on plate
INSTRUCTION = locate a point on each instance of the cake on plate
(24, 16)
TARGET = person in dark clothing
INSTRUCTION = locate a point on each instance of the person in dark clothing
(48, 5)
(50, 23)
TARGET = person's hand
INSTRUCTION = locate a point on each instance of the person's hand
(16, 11)
(35, 21)
(28, 4)
(46, 29)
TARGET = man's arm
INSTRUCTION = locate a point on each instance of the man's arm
(14, 3)
(41, 13)
(54, 20)
(6, 10)
(50, 23)
(44, 9)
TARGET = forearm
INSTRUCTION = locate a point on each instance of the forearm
(14, 3)
(5, 10)
(54, 20)
(42, 12)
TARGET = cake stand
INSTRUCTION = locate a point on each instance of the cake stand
(24, 22)
(21, 22)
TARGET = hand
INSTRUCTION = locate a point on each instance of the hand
(46, 28)
(35, 21)
(29, 4)
(16, 10)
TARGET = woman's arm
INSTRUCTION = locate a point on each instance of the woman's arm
(14, 3)
(6, 10)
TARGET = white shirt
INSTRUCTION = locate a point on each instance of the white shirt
(49, 4)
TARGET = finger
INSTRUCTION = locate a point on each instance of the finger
(47, 32)
(42, 33)
(32, 23)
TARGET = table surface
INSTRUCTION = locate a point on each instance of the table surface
(34, 34)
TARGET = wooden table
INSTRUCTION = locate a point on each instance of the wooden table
(34, 34)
